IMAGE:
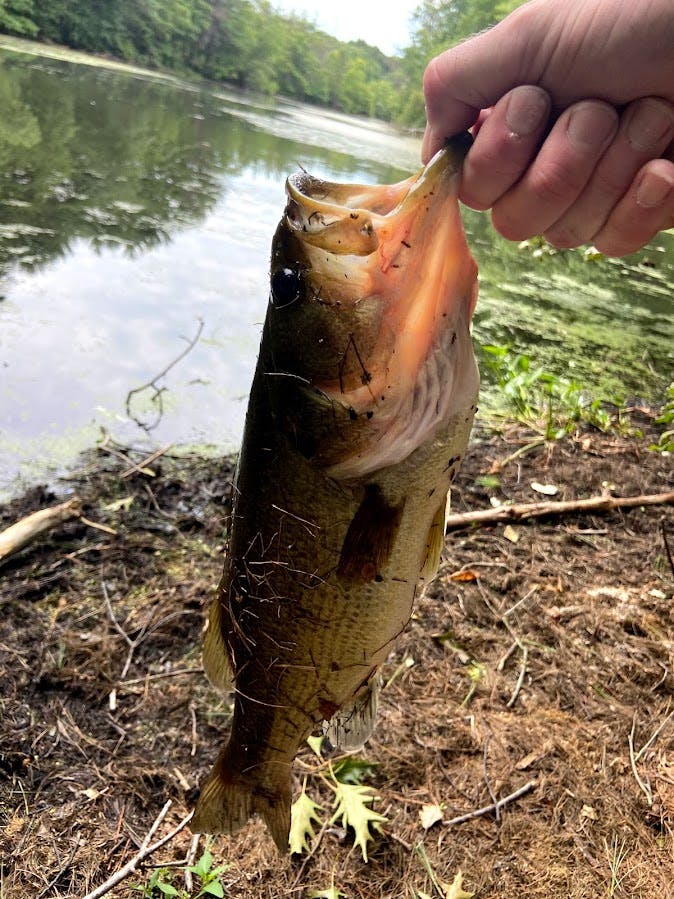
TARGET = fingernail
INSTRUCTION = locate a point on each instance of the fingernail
(653, 190)
(527, 110)
(648, 124)
(590, 126)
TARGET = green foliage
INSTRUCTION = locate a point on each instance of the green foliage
(160, 882)
(17, 17)
(549, 404)
(249, 44)
(352, 770)
(665, 443)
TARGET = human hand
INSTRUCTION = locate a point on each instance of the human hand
(572, 108)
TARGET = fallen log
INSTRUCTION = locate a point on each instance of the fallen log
(521, 511)
(23, 532)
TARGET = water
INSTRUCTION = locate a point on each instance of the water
(135, 211)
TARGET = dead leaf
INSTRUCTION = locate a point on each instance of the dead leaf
(528, 760)
(588, 812)
(464, 576)
(511, 534)
(430, 814)
(454, 890)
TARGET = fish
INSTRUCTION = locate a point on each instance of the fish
(358, 417)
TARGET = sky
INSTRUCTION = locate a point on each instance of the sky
(383, 23)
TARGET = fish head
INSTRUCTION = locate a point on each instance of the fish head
(368, 330)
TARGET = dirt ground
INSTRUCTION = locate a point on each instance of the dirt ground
(541, 658)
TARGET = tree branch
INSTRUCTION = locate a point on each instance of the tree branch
(521, 511)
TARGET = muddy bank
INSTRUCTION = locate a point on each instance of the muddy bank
(543, 655)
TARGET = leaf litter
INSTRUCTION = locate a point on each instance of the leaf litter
(571, 630)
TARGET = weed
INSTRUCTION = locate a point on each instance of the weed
(476, 673)
(160, 883)
(551, 405)
(616, 856)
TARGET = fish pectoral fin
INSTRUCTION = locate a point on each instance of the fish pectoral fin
(230, 797)
(353, 724)
(434, 542)
(370, 537)
(215, 654)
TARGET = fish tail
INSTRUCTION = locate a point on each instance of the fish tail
(229, 797)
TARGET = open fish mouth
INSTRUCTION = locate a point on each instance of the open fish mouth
(383, 288)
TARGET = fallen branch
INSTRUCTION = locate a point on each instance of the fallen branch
(18, 535)
(145, 850)
(521, 511)
(494, 807)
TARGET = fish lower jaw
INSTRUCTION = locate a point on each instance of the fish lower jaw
(445, 385)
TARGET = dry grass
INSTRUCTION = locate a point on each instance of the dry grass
(554, 663)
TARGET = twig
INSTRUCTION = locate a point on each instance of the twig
(145, 850)
(189, 862)
(139, 467)
(141, 680)
(656, 733)
(98, 527)
(132, 644)
(501, 463)
(64, 867)
(520, 680)
(23, 532)
(521, 511)
(159, 390)
(492, 795)
(645, 788)
(491, 808)
(193, 715)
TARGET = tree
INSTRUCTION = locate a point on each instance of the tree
(16, 17)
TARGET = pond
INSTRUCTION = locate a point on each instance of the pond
(136, 213)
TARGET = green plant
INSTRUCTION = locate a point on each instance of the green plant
(665, 442)
(160, 883)
(549, 404)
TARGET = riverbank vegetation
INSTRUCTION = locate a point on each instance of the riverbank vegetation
(248, 43)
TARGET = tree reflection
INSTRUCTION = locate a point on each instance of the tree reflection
(108, 158)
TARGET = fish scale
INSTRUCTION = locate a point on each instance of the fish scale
(341, 489)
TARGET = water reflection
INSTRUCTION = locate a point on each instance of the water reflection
(131, 208)
(122, 160)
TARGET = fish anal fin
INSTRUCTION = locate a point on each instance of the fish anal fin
(434, 542)
(229, 798)
(370, 537)
(215, 654)
(353, 724)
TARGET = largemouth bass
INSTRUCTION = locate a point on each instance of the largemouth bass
(359, 415)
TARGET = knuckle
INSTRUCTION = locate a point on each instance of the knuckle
(554, 182)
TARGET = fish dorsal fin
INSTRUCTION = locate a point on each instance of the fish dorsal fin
(434, 542)
(353, 724)
(370, 537)
(215, 654)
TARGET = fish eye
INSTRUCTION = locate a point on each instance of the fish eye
(286, 287)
